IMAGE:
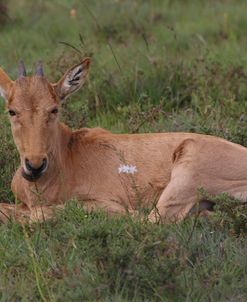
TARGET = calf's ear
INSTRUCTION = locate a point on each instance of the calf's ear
(72, 80)
(5, 84)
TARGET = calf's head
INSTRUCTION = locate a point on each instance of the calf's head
(33, 105)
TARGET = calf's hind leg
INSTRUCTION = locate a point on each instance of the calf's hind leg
(176, 201)
(216, 166)
(181, 194)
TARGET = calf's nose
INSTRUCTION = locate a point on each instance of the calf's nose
(36, 164)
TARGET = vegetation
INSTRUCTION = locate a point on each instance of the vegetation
(157, 66)
(3, 12)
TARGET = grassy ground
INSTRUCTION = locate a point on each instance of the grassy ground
(157, 66)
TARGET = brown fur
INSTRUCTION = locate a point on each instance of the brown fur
(84, 164)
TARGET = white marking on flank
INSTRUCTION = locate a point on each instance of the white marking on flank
(127, 169)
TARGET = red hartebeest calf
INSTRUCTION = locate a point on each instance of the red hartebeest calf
(115, 172)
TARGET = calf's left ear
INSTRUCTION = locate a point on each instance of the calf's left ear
(72, 80)
(5, 84)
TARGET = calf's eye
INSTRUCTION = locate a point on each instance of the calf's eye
(12, 113)
(54, 111)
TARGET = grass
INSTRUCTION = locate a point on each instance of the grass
(158, 66)
(88, 257)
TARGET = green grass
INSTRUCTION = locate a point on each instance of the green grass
(89, 257)
(156, 66)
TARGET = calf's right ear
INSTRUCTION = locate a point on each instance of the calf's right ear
(5, 84)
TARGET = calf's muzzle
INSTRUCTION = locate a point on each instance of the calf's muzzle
(34, 167)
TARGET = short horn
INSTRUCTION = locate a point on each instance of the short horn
(39, 69)
(22, 69)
